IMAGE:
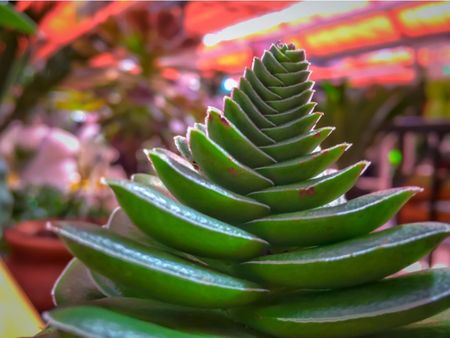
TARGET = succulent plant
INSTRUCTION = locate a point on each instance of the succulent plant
(246, 233)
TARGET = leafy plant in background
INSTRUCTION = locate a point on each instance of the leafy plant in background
(239, 234)
(70, 168)
(359, 115)
(12, 19)
(13, 25)
(140, 105)
(46, 202)
(17, 22)
(114, 69)
(24, 84)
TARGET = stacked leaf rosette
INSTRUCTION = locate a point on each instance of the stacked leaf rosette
(246, 233)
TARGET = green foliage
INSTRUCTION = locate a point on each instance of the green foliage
(46, 202)
(249, 229)
(13, 19)
(360, 114)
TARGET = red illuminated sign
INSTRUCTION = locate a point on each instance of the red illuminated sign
(424, 19)
(357, 33)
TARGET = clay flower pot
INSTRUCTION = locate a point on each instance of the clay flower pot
(36, 259)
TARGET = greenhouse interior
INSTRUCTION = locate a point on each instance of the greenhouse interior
(225, 169)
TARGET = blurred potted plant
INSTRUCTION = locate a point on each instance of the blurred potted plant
(56, 175)
(116, 65)
(141, 103)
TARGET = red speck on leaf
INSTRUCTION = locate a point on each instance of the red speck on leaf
(317, 135)
(195, 165)
(306, 192)
(232, 171)
(224, 121)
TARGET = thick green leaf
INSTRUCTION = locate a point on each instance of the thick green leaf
(259, 87)
(296, 55)
(303, 167)
(296, 66)
(310, 193)
(233, 112)
(181, 318)
(200, 126)
(183, 147)
(250, 109)
(177, 318)
(291, 129)
(278, 54)
(113, 289)
(332, 224)
(154, 273)
(288, 91)
(11, 18)
(264, 75)
(183, 228)
(151, 181)
(74, 285)
(292, 102)
(272, 64)
(225, 134)
(92, 321)
(293, 78)
(354, 312)
(196, 192)
(349, 263)
(298, 146)
(293, 114)
(221, 168)
(119, 223)
(248, 89)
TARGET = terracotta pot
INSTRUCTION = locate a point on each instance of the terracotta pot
(36, 259)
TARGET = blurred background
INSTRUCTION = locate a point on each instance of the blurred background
(84, 86)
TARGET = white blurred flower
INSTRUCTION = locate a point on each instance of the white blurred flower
(62, 160)
(55, 162)
(22, 136)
